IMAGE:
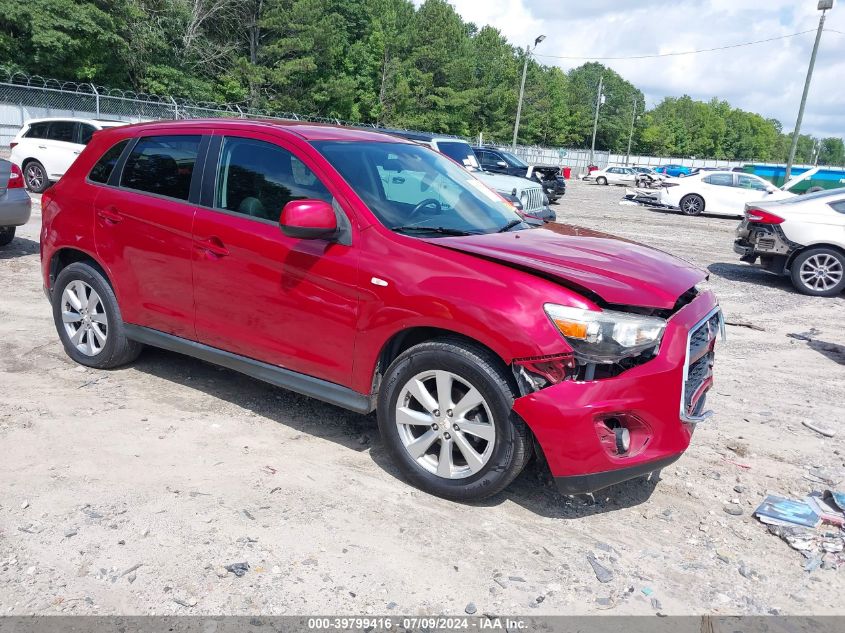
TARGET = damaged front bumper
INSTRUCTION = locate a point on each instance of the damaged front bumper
(578, 423)
(654, 198)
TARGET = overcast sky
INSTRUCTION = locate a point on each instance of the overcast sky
(765, 78)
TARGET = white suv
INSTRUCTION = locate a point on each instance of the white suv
(45, 148)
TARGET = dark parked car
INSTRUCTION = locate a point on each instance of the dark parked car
(499, 161)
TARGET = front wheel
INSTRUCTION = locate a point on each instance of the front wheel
(819, 272)
(692, 204)
(601, 180)
(35, 177)
(445, 416)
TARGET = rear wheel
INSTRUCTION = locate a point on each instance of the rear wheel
(35, 177)
(692, 204)
(445, 416)
(88, 319)
(819, 272)
(601, 180)
(7, 234)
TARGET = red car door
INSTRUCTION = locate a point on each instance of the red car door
(143, 223)
(258, 293)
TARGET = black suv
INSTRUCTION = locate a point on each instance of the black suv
(499, 161)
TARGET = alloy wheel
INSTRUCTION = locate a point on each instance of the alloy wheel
(34, 176)
(445, 424)
(821, 272)
(692, 206)
(84, 318)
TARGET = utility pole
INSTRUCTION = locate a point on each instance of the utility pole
(631, 135)
(823, 6)
(596, 120)
(522, 88)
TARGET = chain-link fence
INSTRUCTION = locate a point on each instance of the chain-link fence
(24, 97)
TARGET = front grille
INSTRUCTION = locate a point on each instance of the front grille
(699, 365)
(532, 199)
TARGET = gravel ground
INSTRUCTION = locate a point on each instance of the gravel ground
(130, 491)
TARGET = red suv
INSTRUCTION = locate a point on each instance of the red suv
(377, 275)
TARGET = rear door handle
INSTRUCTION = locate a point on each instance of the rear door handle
(214, 246)
(110, 214)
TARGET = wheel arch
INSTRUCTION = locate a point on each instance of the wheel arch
(65, 256)
(409, 337)
(805, 248)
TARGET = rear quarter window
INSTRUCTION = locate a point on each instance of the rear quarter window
(162, 165)
(104, 167)
(37, 130)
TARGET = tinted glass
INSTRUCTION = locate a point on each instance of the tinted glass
(61, 131)
(37, 130)
(258, 179)
(411, 189)
(722, 180)
(162, 165)
(829, 193)
(749, 182)
(839, 206)
(86, 132)
(459, 152)
(513, 160)
(102, 170)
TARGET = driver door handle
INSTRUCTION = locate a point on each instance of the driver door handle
(214, 246)
(110, 215)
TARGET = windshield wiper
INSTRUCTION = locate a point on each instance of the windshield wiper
(507, 227)
(439, 230)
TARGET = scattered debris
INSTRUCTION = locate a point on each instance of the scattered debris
(25, 505)
(779, 511)
(805, 336)
(239, 569)
(129, 570)
(733, 509)
(471, 609)
(71, 532)
(750, 326)
(818, 429)
(603, 574)
(185, 603)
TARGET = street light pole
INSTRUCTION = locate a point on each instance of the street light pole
(522, 88)
(823, 6)
(596, 120)
(631, 135)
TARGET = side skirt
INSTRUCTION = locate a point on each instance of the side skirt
(324, 390)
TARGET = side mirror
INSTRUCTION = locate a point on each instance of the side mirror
(308, 220)
(502, 164)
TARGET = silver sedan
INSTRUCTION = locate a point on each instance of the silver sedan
(15, 203)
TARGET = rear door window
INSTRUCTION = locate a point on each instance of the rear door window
(750, 182)
(258, 179)
(61, 131)
(721, 180)
(104, 167)
(162, 165)
(85, 132)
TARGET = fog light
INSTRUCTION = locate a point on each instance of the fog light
(623, 439)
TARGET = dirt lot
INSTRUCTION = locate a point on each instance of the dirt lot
(128, 491)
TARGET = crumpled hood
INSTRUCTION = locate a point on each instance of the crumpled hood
(617, 270)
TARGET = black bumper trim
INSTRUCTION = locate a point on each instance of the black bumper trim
(582, 484)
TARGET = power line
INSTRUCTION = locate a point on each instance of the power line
(703, 50)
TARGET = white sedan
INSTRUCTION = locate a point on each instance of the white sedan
(717, 192)
(803, 237)
(613, 176)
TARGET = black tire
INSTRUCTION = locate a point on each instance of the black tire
(512, 447)
(117, 349)
(601, 180)
(692, 204)
(7, 234)
(35, 177)
(802, 266)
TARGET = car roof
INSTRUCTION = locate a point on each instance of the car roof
(304, 130)
(101, 122)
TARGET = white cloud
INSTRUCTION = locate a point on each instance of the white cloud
(766, 78)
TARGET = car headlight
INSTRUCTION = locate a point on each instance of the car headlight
(607, 336)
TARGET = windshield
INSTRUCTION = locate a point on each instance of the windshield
(512, 160)
(412, 189)
(459, 151)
